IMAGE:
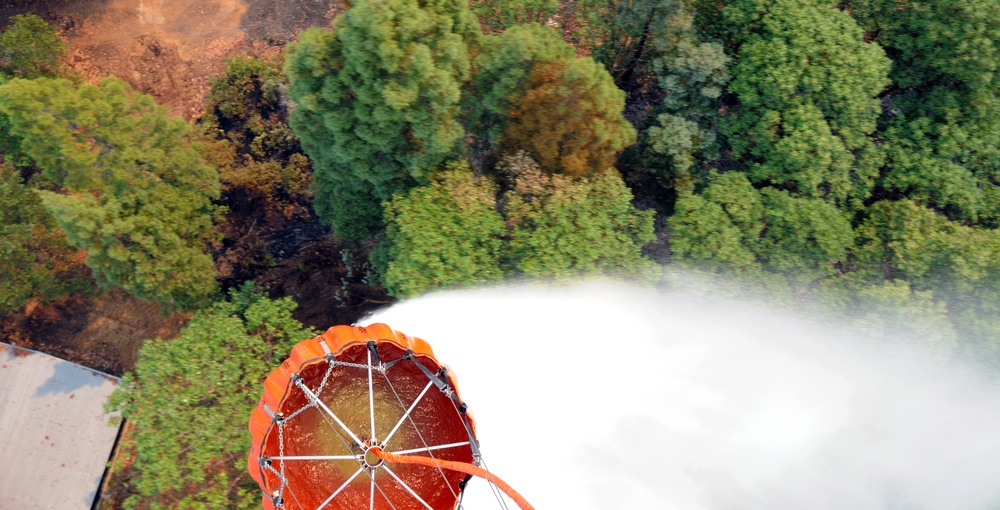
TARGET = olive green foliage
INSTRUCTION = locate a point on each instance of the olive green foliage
(30, 48)
(450, 233)
(501, 70)
(189, 399)
(684, 142)
(569, 118)
(290, 180)
(654, 50)
(35, 261)
(807, 83)
(734, 227)
(892, 311)
(945, 109)
(910, 241)
(377, 102)
(618, 31)
(499, 15)
(563, 228)
(445, 234)
(804, 238)
(135, 191)
(918, 170)
(959, 264)
(691, 71)
(935, 43)
(719, 229)
(532, 93)
(247, 109)
(704, 235)
(640, 37)
(248, 106)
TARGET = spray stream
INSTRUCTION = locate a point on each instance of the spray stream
(599, 396)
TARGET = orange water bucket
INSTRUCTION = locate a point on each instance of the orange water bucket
(364, 417)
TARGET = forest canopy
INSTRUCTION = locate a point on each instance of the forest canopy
(844, 156)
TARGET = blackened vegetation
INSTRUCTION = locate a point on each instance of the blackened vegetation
(271, 235)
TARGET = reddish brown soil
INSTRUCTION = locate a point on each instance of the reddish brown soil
(103, 332)
(171, 48)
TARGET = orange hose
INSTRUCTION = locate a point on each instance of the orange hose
(461, 467)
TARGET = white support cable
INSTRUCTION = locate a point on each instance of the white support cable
(407, 487)
(416, 429)
(343, 441)
(328, 414)
(497, 493)
(296, 498)
(320, 403)
(407, 414)
(382, 492)
(429, 448)
(458, 506)
(342, 486)
(371, 494)
(316, 457)
(371, 396)
(359, 459)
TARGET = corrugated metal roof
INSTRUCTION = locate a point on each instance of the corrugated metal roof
(54, 435)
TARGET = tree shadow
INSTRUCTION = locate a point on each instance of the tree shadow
(68, 377)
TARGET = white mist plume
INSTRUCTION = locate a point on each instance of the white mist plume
(607, 397)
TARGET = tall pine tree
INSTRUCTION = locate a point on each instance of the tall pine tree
(377, 102)
(134, 190)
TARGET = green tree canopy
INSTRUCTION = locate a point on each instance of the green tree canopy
(189, 398)
(447, 233)
(30, 48)
(532, 93)
(35, 261)
(733, 227)
(135, 191)
(804, 238)
(637, 38)
(806, 82)
(377, 102)
(501, 70)
(943, 112)
(500, 15)
(450, 232)
(676, 79)
(718, 230)
(936, 44)
(958, 263)
(563, 228)
(904, 239)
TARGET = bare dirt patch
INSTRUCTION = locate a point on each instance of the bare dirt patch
(171, 48)
(102, 332)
